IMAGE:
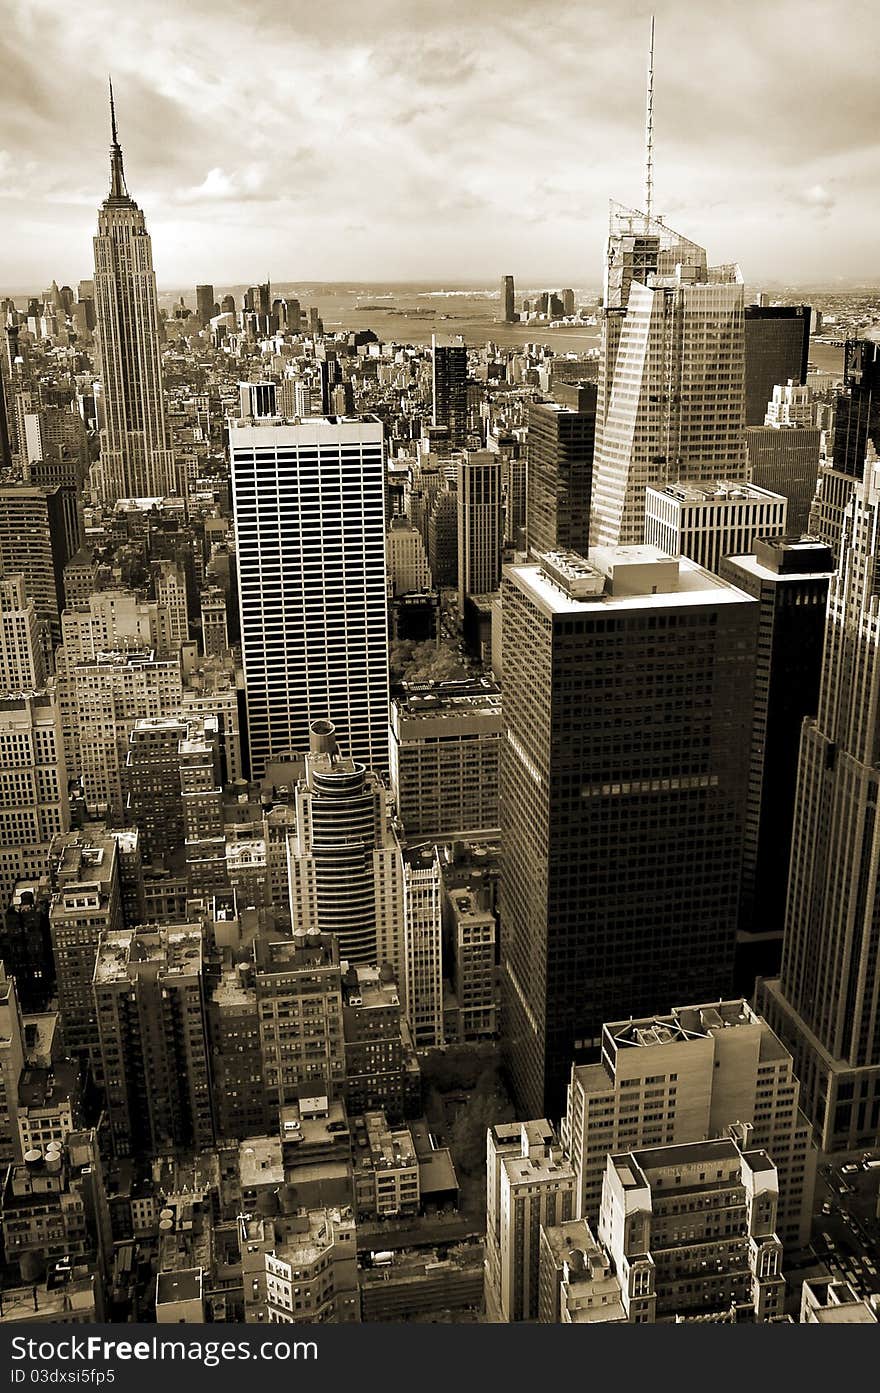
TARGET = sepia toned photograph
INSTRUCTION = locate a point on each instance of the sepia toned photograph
(439, 680)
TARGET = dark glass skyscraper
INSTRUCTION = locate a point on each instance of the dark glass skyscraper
(856, 425)
(777, 348)
(789, 579)
(826, 1003)
(785, 459)
(204, 303)
(508, 301)
(560, 474)
(857, 418)
(450, 370)
(627, 706)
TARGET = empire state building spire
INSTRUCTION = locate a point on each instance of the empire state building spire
(117, 174)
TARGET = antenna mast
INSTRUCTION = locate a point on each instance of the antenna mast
(114, 139)
(649, 133)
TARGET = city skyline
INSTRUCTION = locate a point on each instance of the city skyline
(439, 728)
(383, 119)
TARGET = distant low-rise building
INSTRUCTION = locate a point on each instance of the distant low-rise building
(828, 1301)
(386, 1169)
(301, 1268)
(530, 1186)
(299, 993)
(691, 1230)
(381, 1068)
(445, 750)
(680, 1078)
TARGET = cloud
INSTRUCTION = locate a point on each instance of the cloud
(818, 197)
(240, 186)
(455, 137)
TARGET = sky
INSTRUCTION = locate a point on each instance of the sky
(443, 140)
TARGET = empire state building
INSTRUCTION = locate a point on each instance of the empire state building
(135, 457)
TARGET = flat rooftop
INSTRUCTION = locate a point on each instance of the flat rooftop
(267, 431)
(525, 1169)
(849, 1313)
(372, 989)
(692, 587)
(40, 1031)
(444, 702)
(469, 905)
(390, 1148)
(723, 491)
(759, 1161)
(437, 1173)
(753, 567)
(126, 838)
(185, 1285)
(306, 1238)
(232, 990)
(575, 1235)
(48, 1088)
(687, 1023)
(62, 1302)
(260, 1162)
(297, 954)
(679, 1154)
(122, 952)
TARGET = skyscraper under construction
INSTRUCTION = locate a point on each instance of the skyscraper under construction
(671, 386)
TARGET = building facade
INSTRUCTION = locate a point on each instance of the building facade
(479, 524)
(34, 803)
(691, 1231)
(530, 1187)
(622, 796)
(84, 877)
(683, 1077)
(449, 389)
(789, 578)
(785, 459)
(136, 459)
(445, 746)
(150, 1010)
(777, 349)
(560, 474)
(671, 395)
(310, 533)
(345, 865)
(709, 522)
(299, 993)
(824, 1005)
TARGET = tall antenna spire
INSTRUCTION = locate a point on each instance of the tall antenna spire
(117, 174)
(649, 132)
(114, 138)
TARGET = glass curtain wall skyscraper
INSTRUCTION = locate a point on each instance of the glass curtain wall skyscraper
(449, 388)
(136, 461)
(856, 426)
(627, 707)
(826, 1003)
(309, 503)
(671, 385)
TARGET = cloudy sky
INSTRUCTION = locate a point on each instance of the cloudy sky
(438, 139)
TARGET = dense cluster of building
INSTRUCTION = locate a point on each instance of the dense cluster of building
(373, 710)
